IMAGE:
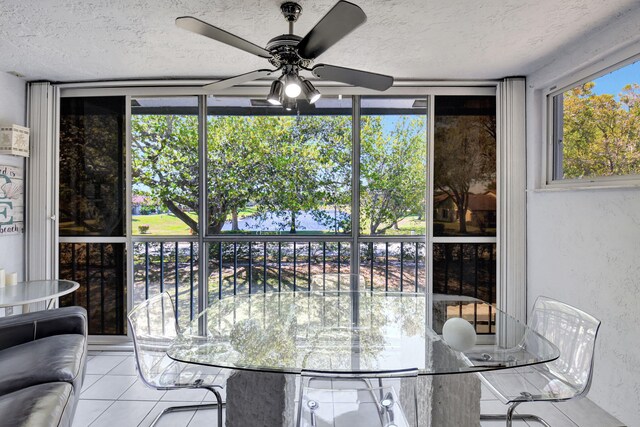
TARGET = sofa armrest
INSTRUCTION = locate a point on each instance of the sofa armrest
(22, 328)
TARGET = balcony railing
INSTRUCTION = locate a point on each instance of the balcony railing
(237, 267)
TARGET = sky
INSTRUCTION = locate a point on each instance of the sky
(614, 82)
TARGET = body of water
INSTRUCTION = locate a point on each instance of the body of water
(305, 221)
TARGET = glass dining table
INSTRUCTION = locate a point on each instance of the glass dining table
(353, 333)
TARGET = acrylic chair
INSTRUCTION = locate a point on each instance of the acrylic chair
(154, 327)
(574, 332)
(383, 401)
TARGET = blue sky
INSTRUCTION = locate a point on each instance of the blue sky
(614, 82)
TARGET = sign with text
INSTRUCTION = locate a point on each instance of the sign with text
(11, 200)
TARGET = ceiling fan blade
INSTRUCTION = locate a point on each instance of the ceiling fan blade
(236, 80)
(197, 26)
(343, 18)
(353, 77)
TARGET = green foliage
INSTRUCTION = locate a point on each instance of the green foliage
(601, 134)
(392, 172)
(281, 165)
(165, 160)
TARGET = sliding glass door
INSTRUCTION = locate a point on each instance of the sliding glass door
(208, 196)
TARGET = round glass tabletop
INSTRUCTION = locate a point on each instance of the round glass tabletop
(34, 291)
(355, 333)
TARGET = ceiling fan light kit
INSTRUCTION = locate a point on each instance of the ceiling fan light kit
(290, 54)
(289, 104)
(310, 92)
(292, 85)
(275, 93)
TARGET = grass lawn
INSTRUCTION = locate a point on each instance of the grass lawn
(170, 225)
(162, 224)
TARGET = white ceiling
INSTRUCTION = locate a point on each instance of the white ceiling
(75, 40)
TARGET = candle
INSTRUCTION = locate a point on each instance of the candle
(1, 278)
(12, 279)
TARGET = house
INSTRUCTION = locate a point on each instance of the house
(481, 209)
(116, 94)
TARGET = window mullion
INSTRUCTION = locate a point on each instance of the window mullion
(355, 185)
(203, 254)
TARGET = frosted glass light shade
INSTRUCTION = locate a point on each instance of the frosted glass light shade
(459, 334)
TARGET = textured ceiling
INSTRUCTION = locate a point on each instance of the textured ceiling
(74, 40)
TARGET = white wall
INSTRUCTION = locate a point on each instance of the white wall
(583, 246)
(12, 111)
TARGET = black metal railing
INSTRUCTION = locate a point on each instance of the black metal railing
(467, 269)
(100, 270)
(236, 267)
(167, 266)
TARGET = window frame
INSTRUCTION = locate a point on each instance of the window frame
(192, 87)
(550, 123)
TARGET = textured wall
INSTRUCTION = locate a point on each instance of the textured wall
(12, 111)
(583, 246)
(584, 249)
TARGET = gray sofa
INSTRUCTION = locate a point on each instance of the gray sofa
(42, 365)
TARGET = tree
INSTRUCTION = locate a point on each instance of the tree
(165, 164)
(279, 164)
(392, 170)
(464, 155)
(309, 168)
(237, 166)
(601, 134)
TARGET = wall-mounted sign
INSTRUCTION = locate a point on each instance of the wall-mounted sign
(11, 200)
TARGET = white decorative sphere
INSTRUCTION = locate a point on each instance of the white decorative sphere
(459, 334)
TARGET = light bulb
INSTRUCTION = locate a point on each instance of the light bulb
(292, 86)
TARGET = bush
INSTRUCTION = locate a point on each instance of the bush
(143, 228)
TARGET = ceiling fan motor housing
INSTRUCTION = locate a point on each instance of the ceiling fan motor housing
(284, 52)
(283, 48)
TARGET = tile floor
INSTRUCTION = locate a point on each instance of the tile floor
(112, 396)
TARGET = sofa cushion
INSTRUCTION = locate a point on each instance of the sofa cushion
(42, 405)
(50, 359)
(16, 330)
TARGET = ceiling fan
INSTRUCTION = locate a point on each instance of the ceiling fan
(290, 54)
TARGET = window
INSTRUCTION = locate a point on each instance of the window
(464, 202)
(92, 209)
(227, 195)
(164, 140)
(270, 171)
(596, 128)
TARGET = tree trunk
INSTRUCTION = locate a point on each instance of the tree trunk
(234, 220)
(215, 227)
(174, 209)
(462, 219)
(293, 223)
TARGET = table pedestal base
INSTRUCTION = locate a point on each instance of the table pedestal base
(266, 399)
(260, 399)
(449, 400)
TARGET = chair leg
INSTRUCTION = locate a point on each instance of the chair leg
(510, 416)
(219, 405)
